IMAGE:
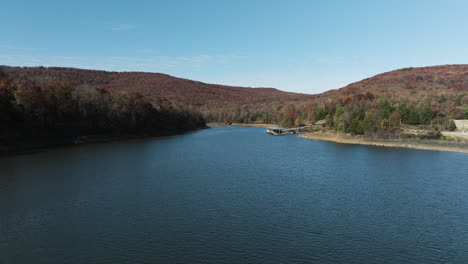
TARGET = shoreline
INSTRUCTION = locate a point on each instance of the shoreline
(424, 144)
(241, 125)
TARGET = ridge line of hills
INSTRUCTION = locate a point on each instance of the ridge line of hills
(187, 91)
(440, 78)
(441, 88)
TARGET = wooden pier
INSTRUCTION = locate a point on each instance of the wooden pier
(277, 131)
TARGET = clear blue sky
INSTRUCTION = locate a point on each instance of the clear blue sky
(303, 46)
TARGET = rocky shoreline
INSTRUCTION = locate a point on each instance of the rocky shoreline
(426, 144)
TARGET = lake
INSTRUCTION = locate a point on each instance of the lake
(233, 195)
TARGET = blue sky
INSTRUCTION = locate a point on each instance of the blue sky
(302, 46)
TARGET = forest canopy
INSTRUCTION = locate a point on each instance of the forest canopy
(41, 108)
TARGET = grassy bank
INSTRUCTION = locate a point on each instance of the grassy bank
(436, 145)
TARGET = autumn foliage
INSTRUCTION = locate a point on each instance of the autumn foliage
(411, 96)
(33, 108)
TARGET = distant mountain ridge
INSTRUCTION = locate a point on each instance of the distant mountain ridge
(431, 79)
(242, 104)
(443, 78)
(190, 92)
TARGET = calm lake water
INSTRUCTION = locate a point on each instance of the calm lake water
(233, 195)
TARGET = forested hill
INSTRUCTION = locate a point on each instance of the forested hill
(189, 92)
(418, 95)
(423, 93)
(447, 79)
(428, 96)
(41, 110)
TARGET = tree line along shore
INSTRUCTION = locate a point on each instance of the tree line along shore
(425, 121)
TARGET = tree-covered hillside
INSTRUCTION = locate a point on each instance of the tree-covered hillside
(32, 109)
(414, 96)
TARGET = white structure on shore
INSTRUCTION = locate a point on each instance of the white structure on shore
(462, 125)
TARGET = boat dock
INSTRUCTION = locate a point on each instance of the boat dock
(277, 131)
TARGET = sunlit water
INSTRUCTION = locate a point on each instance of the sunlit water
(233, 195)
